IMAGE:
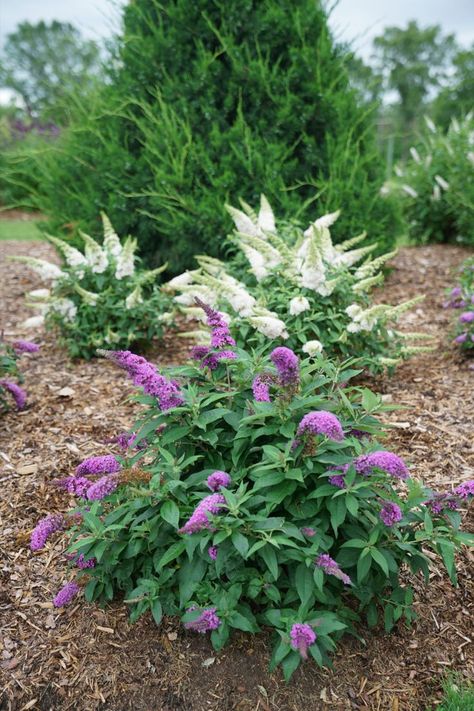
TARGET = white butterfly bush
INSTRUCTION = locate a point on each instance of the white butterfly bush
(99, 295)
(302, 289)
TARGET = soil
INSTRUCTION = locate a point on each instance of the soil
(89, 659)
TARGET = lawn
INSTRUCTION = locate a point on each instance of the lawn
(17, 229)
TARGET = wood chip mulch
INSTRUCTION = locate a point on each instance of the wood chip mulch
(88, 659)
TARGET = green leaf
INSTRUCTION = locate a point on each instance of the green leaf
(170, 513)
(240, 543)
(156, 611)
(173, 552)
(240, 622)
(363, 565)
(304, 583)
(380, 560)
(290, 664)
(447, 550)
(269, 556)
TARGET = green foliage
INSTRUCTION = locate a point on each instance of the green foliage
(44, 64)
(98, 297)
(437, 187)
(277, 514)
(458, 695)
(456, 98)
(208, 101)
(8, 368)
(462, 298)
(301, 289)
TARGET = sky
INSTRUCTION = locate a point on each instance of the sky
(352, 20)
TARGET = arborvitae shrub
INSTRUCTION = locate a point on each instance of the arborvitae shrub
(211, 101)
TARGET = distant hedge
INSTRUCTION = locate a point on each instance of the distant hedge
(209, 101)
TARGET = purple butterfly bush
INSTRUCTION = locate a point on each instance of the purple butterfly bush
(206, 622)
(390, 513)
(212, 552)
(44, 529)
(321, 422)
(18, 394)
(465, 490)
(302, 636)
(386, 461)
(75, 485)
(102, 488)
(467, 317)
(199, 520)
(439, 502)
(330, 567)
(66, 594)
(210, 357)
(261, 388)
(287, 365)
(217, 480)
(83, 564)
(145, 375)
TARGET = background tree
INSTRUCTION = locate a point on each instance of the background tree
(413, 61)
(457, 98)
(44, 63)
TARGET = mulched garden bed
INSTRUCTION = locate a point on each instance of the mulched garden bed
(87, 659)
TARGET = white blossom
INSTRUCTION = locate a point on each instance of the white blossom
(298, 304)
(134, 298)
(266, 218)
(257, 261)
(181, 280)
(96, 257)
(430, 124)
(65, 308)
(436, 194)
(270, 326)
(39, 294)
(112, 243)
(243, 222)
(415, 155)
(312, 347)
(409, 190)
(443, 184)
(199, 290)
(33, 322)
(126, 260)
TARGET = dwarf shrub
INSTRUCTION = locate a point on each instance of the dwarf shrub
(10, 376)
(254, 493)
(99, 296)
(301, 289)
(462, 297)
(437, 187)
(208, 101)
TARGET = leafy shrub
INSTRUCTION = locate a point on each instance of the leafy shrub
(207, 101)
(307, 523)
(301, 289)
(9, 387)
(437, 187)
(462, 297)
(458, 695)
(98, 297)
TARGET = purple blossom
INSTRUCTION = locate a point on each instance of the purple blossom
(102, 488)
(76, 485)
(18, 394)
(44, 529)
(358, 434)
(105, 464)
(321, 422)
(386, 461)
(287, 365)
(467, 317)
(261, 388)
(456, 291)
(211, 504)
(126, 440)
(302, 636)
(84, 564)
(461, 338)
(217, 480)
(145, 375)
(212, 552)
(330, 567)
(337, 480)
(390, 513)
(207, 621)
(220, 335)
(465, 489)
(437, 503)
(66, 594)
(308, 531)
(210, 359)
(25, 347)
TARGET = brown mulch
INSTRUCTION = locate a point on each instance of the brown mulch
(87, 659)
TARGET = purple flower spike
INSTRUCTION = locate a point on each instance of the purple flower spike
(217, 480)
(287, 365)
(25, 347)
(337, 480)
(390, 513)
(321, 422)
(75, 485)
(330, 567)
(200, 518)
(102, 488)
(467, 317)
(261, 388)
(66, 594)
(106, 464)
(18, 394)
(437, 503)
(386, 461)
(207, 621)
(220, 335)
(212, 552)
(461, 338)
(302, 636)
(44, 529)
(465, 490)
(84, 564)
(145, 375)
